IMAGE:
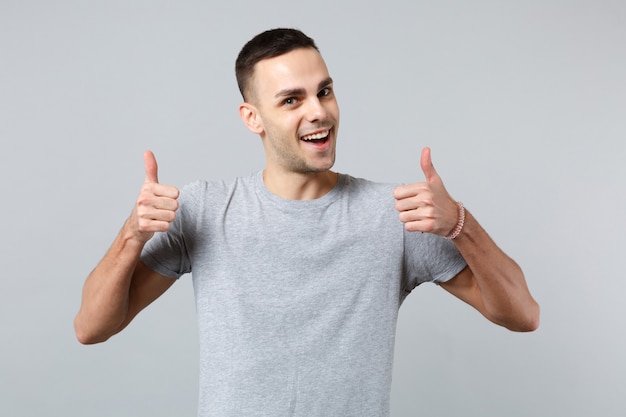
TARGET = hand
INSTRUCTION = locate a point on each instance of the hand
(426, 206)
(156, 205)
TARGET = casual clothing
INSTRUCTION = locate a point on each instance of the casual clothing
(297, 301)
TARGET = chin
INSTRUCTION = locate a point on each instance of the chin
(323, 167)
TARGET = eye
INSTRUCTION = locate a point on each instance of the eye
(325, 92)
(290, 101)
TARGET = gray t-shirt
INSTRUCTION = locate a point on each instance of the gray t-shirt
(297, 301)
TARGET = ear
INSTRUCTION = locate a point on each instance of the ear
(251, 118)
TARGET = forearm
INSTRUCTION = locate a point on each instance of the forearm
(503, 289)
(106, 291)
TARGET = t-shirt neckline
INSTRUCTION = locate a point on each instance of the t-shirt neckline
(284, 203)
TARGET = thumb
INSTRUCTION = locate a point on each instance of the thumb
(150, 163)
(427, 166)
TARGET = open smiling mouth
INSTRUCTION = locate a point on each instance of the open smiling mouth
(320, 137)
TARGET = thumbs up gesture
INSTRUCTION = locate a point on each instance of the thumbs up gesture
(156, 205)
(426, 206)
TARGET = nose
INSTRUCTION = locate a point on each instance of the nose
(315, 110)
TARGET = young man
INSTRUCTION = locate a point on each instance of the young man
(298, 271)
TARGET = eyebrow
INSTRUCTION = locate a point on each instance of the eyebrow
(300, 91)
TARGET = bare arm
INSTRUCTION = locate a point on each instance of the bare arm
(121, 286)
(493, 283)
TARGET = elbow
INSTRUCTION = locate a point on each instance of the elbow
(526, 321)
(533, 324)
(84, 340)
(532, 320)
(86, 337)
(526, 326)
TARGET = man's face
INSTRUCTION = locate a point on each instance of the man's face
(299, 116)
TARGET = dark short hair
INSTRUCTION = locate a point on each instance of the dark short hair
(268, 44)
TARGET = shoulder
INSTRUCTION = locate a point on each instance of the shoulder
(203, 187)
(361, 187)
(368, 198)
(215, 192)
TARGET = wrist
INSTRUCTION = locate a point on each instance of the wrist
(132, 236)
(459, 224)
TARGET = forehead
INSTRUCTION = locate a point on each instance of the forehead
(302, 68)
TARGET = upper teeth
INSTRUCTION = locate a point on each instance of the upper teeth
(320, 135)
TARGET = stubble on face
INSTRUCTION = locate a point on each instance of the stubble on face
(301, 77)
(286, 148)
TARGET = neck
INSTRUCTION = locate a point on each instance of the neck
(294, 186)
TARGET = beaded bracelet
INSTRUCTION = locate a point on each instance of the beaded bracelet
(459, 225)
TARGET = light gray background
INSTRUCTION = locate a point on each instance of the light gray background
(523, 104)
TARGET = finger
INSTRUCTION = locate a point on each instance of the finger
(157, 197)
(167, 202)
(161, 190)
(410, 204)
(159, 215)
(151, 226)
(427, 166)
(150, 163)
(423, 225)
(161, 210)
(409, 190)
